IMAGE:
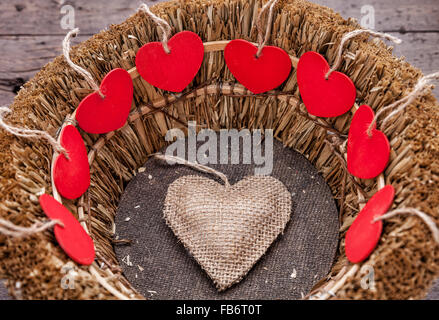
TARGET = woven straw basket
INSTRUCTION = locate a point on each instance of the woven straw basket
(406, 259)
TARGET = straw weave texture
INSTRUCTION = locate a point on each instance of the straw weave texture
(227, 228)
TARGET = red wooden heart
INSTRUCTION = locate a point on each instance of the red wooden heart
(72, 238)
(174, 71)
(321, 97)
(367, 156)
(261, 74)
(102, 115)
(364, 234)
(72, 176)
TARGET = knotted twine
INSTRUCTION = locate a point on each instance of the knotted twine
(351, 35)
(87, 75)
(263, 39)
(30, 133)
(162, 24)
(421, 88)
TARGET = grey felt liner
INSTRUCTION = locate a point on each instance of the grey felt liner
(159, 267)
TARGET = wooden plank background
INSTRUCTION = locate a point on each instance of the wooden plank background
(31, 33)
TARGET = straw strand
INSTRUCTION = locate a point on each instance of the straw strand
(351, 35)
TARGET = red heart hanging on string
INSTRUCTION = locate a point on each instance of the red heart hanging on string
(72, 237)
(367, 155)
(172, 71)
(261, 74)
(100, 115)
(321, 97)
(72, 176)
(364, 234)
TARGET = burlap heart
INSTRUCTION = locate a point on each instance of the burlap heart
(227, 228)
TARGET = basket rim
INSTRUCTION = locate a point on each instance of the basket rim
(231, 89)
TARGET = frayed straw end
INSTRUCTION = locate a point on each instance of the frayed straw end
(415, 212)
(29, 133)
(420, 89)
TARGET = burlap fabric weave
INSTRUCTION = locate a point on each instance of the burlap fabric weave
(227, 228)
(3, 292)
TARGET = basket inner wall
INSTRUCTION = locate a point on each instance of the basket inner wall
(404, 263)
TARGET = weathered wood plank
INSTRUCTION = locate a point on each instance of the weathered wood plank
(420, 49)
(21, 58)
(42, 17)
(4, 295)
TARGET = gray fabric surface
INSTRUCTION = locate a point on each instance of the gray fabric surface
(160, 268)
(4, 295)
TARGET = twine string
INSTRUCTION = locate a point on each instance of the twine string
(263, 38)
(9, 229)
(412, 211)
(421, 88)
(351, 35)
(161, 23)
(87, 75)
(28, 133)
(197, 166)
